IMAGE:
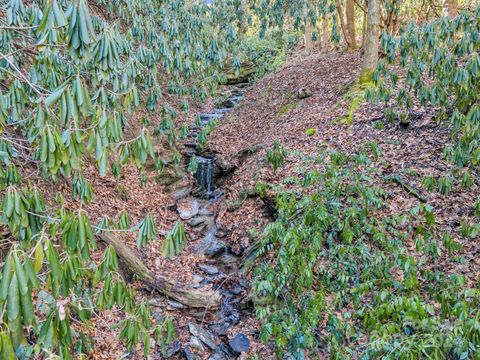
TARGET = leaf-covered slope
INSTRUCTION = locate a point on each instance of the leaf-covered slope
(405, 160)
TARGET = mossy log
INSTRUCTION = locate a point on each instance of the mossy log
(194, 298)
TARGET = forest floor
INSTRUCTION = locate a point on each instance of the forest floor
(272, 111)
(275, 109)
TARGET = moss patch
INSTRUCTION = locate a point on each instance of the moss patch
(286, 108)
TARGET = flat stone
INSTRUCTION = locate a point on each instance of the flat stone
(210, 245)
(188, 209)
(173, 349)
(203, 334)
(218, 355)
(222, 353)
(205, 212)
(205, 118)
(239, 343)
(197, 279)
(196, 221)
(208, 269)
(189, 354)
(195, 343)
(181, 193)
(197, 282)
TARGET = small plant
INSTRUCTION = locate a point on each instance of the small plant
(261, 188)
(445, 184)
(378, 125)
(192, 165)
(147, 231)
(467, 180)
(429, 183)
(124, 221)
(450, 244)
(174, 242)
(276, 156)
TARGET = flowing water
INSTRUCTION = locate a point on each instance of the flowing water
(204, 174)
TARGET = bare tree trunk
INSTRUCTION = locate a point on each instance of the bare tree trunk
(370, 56)
(308, 29)
(342, 21)
(449, 8)
(350, 15)
(325, 35)
(364, 28)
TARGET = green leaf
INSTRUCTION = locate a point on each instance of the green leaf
(54, 96)
(6, 278)
(22, 278)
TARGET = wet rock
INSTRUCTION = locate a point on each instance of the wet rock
(195, 343)
(197, 282)
(196, 221)
(173, 349)
(210, 245)
(208, 269)
(181, 193)
(221, 111)
(220, 329)
(205, 212)
(237, 290)
(203, 334)
(230, 312)
(239, 343)
(188, 209)
(227, 263)
(197, 279)
(206, 118)
(175, 305)
(190, 355)
(222, 353)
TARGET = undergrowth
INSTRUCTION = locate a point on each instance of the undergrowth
(344, 279)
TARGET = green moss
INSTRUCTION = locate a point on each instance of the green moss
(286, 108)
(266, 92)
(366, 77)
(122, 192)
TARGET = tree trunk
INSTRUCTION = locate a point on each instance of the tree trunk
(208, 299)
(325, 35)
(370, 56)
(342, 22)
(449, 8)
(308, 29)
(350, 16)
(364, 28)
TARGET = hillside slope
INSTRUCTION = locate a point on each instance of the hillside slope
(272, 110)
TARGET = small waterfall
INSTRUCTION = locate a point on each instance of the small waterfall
(204, 173)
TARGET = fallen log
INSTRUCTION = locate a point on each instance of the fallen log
(406, 186)
(194, 298)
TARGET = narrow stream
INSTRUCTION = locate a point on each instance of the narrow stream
(193, 207)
